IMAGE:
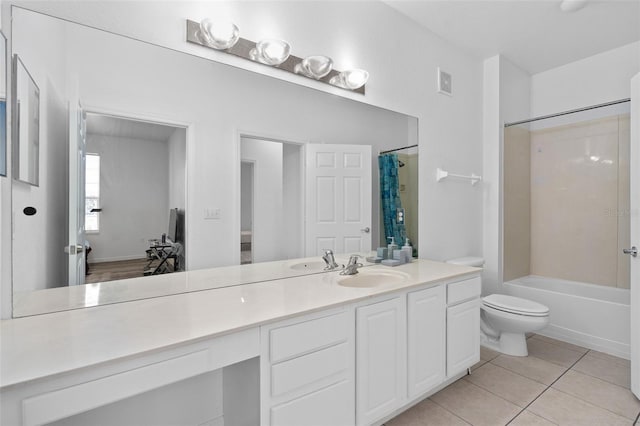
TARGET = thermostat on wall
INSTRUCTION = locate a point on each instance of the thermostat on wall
(444, 83)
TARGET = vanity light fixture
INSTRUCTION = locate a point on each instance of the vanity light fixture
(315, 66)
(225, 37)
(350, 79)
(220, 35)
(270, 51)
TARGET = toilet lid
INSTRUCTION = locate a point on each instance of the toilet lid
(515, 305)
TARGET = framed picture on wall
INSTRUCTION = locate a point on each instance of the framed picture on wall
(26, 125)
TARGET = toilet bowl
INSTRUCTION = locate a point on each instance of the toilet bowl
(505, 320)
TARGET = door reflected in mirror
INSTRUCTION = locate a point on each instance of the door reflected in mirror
(300, 200)
(134, 201)
(271, 200)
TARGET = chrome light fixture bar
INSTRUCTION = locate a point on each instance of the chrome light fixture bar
(271, 52)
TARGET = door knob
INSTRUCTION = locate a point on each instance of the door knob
(74, 249)
(633, 251)
(366, 230)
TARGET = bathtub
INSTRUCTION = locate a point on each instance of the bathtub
(593, 316)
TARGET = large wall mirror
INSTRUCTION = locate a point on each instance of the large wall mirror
(138, 141)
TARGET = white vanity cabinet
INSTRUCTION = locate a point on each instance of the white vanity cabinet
(380, 359)
(307, 370)
(426, 340)
(463, 325)
(345, 358)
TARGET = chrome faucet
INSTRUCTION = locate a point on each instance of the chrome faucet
(352, 266)
(329, 260)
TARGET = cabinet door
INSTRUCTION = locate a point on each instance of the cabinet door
(426, 344)
(381, 359)
(463, 336)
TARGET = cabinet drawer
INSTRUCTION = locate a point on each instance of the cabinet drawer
(333, 405)
(298, 339)
(314, 368)
(463, 290)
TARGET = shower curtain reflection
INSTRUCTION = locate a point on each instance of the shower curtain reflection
(393, 215)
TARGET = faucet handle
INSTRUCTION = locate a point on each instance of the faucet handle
(329, 260)
(353, 259)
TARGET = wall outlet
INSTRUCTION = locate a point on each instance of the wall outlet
(211, 214)
(444, 83)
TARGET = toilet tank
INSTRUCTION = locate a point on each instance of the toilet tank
(467, 261)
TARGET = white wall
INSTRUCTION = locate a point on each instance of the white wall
(46, 231)
(591, 81)
(268, 225)
(134, 196)
(403, 78)
(506, 98)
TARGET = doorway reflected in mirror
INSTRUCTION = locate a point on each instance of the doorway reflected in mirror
(134, 198)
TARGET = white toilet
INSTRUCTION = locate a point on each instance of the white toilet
(504, 320)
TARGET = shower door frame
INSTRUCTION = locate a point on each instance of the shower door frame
(634, 213)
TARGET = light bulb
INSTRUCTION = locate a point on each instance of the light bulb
(220, 35)
(270, 51)
(350, 79)
(314, 66)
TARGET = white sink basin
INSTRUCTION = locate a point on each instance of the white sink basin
(308, 266)
(372, 278)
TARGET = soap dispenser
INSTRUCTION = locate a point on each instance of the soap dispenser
(408, 250)
(391, 247)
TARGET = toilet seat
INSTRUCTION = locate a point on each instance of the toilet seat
(515, 305)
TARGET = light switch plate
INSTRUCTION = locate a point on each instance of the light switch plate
(445, 83)
(212, 214)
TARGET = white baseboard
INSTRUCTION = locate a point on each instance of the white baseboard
(115, 259)
(587, 341)
(219, 421)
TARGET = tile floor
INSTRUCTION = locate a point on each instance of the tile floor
(557, 384)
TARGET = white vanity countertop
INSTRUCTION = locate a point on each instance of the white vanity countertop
(45, 345)
(90, 295)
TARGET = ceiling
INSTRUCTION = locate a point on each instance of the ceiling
(106, 125)
(533, 34)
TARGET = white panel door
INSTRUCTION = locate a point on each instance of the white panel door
(426, 339)
(380, 359)
(338, 198)
(634, 165)
(77, 158)
(463, 336)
